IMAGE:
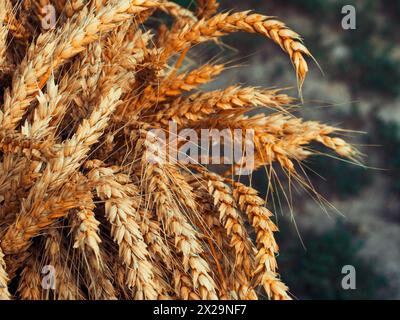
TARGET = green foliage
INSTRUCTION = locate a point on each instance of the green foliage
(315, 272)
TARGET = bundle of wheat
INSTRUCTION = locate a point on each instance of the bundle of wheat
(80, 103)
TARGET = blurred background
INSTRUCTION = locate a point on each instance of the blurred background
(359, 90)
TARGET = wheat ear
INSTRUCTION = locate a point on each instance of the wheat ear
(87, 232)
(85, 228)
(220, 257)
(157, 245)
(50, 106)
(175, 86)
(16, 239)
(196, 107)
(29, 287)
(4, 294)
(184, 236)
(91, 77)
(265, 262)
(224, 23)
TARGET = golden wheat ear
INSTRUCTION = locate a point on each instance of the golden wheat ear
(265, 271)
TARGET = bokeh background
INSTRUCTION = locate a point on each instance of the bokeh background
(359, 90)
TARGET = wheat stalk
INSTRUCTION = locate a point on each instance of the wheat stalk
(221, 24)
(85, 189)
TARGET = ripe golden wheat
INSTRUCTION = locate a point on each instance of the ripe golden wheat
(76, 189)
